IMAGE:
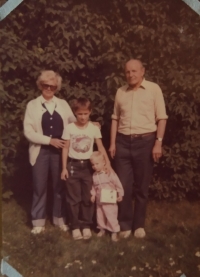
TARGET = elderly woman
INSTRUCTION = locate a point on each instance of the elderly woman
(44, 121)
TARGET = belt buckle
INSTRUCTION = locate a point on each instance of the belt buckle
(82, 161)
(134, 136)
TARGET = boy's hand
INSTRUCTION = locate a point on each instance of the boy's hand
(119, 198)
(64, 174)
(112, 151)
(92, 198)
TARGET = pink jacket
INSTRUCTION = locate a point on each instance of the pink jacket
(103, 180)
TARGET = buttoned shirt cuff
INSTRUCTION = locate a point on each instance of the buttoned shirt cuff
(115, 117)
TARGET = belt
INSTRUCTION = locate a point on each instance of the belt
(77, 160)
(138, 135)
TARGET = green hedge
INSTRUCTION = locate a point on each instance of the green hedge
(88, 42)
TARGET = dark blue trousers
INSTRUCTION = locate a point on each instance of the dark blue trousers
(134, 165)
(78, 187)
(48, 160)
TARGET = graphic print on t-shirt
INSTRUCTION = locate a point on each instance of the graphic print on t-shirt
(81, 143)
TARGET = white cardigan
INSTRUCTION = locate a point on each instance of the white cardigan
(33, 124)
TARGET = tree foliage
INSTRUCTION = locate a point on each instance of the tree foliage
(88, 42)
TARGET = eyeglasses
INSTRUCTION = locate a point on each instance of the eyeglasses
(46, 86)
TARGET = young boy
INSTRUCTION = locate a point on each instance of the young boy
(107, 211)
(76, 168)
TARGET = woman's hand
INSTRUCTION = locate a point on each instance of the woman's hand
(64, 174)
(58, 143)
(97, 124)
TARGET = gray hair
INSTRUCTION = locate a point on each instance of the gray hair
(49, 75)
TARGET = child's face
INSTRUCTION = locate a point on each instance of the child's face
(82, 116)
(98, 164)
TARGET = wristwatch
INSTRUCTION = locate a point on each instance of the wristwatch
(159, 139)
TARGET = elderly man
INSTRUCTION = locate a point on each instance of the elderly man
(138, 126)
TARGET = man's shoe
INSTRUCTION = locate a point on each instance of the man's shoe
(87, 233)
(101, 233)
(63, 227)
(114, 237)
(37, 230)
(125, 234)
(76, 234)
(139, 233)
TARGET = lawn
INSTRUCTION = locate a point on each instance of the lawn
(171, 247)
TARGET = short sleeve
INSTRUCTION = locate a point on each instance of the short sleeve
(116, 110)
(66, 133)
(97, 132)
(160, 111)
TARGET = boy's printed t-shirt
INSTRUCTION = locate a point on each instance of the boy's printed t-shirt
(81, 140)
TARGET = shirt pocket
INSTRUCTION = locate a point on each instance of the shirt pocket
(146, 104)
(125, 105)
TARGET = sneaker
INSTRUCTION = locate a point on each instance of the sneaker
(76, 234)
(139, 233)
(114, 237)
(87, 233)
(101, 233)
(63, 227)
(37, 230)
(125, 234)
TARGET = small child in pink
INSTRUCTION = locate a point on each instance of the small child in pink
(106, 212)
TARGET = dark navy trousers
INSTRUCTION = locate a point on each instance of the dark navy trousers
(78, 194)
(134, 166)
(48, 160)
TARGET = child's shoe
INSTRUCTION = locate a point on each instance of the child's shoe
(139, 233)
(76, 234)
(63, 227)
(37, 230)
(87, 233)
(114, 237)
(101, 233)
(125, 234)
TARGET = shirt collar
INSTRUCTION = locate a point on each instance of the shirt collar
(142, 85)
(101, 172)
(43, 100)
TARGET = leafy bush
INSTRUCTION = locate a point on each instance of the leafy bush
(88, 42)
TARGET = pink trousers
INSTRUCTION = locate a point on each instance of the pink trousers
(107, 217)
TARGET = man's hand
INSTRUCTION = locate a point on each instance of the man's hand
(157, 151)
(112, 151)
(92, 198)
(58, 143)
(64, 174)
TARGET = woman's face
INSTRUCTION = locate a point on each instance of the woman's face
(49, 88)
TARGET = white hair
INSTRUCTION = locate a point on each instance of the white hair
(47, 75)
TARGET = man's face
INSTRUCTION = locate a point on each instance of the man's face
(134, 72)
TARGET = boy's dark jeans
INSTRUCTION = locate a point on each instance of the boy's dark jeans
(79, 185)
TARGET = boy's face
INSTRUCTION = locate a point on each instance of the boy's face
(82, 116)
(98, 164)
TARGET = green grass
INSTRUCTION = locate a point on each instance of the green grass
(173, 236)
